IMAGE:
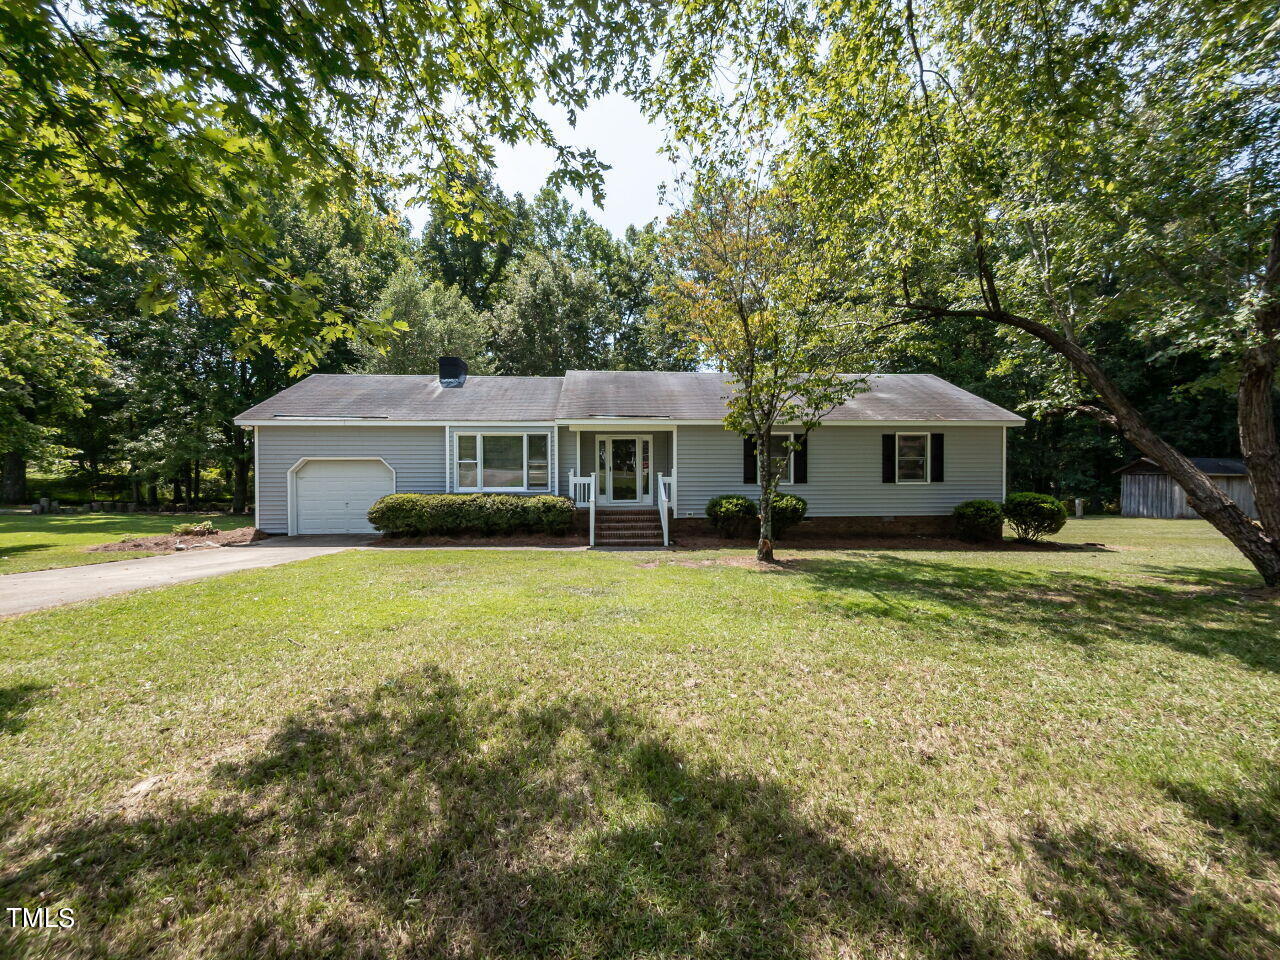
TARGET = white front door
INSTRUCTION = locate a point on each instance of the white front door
(334, 496)
(623, 469)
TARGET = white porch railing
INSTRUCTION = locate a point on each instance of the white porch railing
(583, 492)
(666, 493)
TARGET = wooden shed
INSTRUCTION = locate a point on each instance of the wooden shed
(1147, 491)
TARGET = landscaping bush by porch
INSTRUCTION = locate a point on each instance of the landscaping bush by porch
(733, 516)
(477, 514)
(978, 520)
(788, 510)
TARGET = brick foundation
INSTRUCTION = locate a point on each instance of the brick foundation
(825, 528)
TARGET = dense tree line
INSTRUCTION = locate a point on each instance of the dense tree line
(545, 290)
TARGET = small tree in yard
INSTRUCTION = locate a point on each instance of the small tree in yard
(745, 292)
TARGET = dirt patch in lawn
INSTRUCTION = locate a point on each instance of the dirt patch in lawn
(171, 543)
(702, 542)
(745, 562)
(522, 540)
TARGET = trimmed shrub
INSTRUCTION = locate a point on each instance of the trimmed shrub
(788, 510)
(204, 528)
(978, 520)
(1034, 516)
(734, 516)
(474, 514)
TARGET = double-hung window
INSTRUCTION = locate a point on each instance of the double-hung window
(781, 456)
(913, 458)
(503, 461)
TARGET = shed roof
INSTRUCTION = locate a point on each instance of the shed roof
(1213, 466)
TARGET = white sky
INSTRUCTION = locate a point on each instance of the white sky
(622, 138)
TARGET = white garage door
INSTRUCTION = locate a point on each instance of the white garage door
(334, 496)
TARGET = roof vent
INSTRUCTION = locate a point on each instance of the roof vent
(453, 371)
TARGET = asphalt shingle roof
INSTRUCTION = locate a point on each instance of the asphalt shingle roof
(490, 399)
(701, 396)
(588, 394)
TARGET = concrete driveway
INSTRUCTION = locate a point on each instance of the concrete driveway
(24, 592)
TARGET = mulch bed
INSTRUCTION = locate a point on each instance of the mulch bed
(170, 543)
(523, 540)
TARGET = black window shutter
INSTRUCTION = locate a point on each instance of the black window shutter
(936, 471)
(800, 462)
(888, 458)
(749, 472)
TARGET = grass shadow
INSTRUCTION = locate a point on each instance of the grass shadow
(15, 701)
(15, 549)
(711, 544)
(1248, 813)
(427, 821)
(991, 603)
(1119, 896)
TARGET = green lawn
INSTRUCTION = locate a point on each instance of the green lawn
(45, 541)
(889, 753)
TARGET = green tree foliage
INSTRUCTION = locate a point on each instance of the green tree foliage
(179, 377)
(472, 251)
(48, 363)
(1063, 168)
(489, 270)
(431, 321)
(183, 119)
(552, 318)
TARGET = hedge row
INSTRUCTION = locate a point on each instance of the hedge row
(475, 514)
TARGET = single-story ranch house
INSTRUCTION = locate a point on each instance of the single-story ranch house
(895, 458)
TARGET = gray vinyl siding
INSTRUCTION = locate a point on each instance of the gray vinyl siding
(415, 453)
(567, 446)
(844, 472)
(844, 466)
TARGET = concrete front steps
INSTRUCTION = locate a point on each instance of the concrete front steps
(628, 528)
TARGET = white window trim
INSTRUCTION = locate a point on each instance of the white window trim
(524, 446)
(897, 456)
(790, 479)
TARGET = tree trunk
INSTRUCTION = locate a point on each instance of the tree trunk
(153, 495)
(14, 486)
(195, 483)
(240, 484)
(1260, 545)
(1256, 396)
(1259, 542)
(764, 547)
(1257, 423)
